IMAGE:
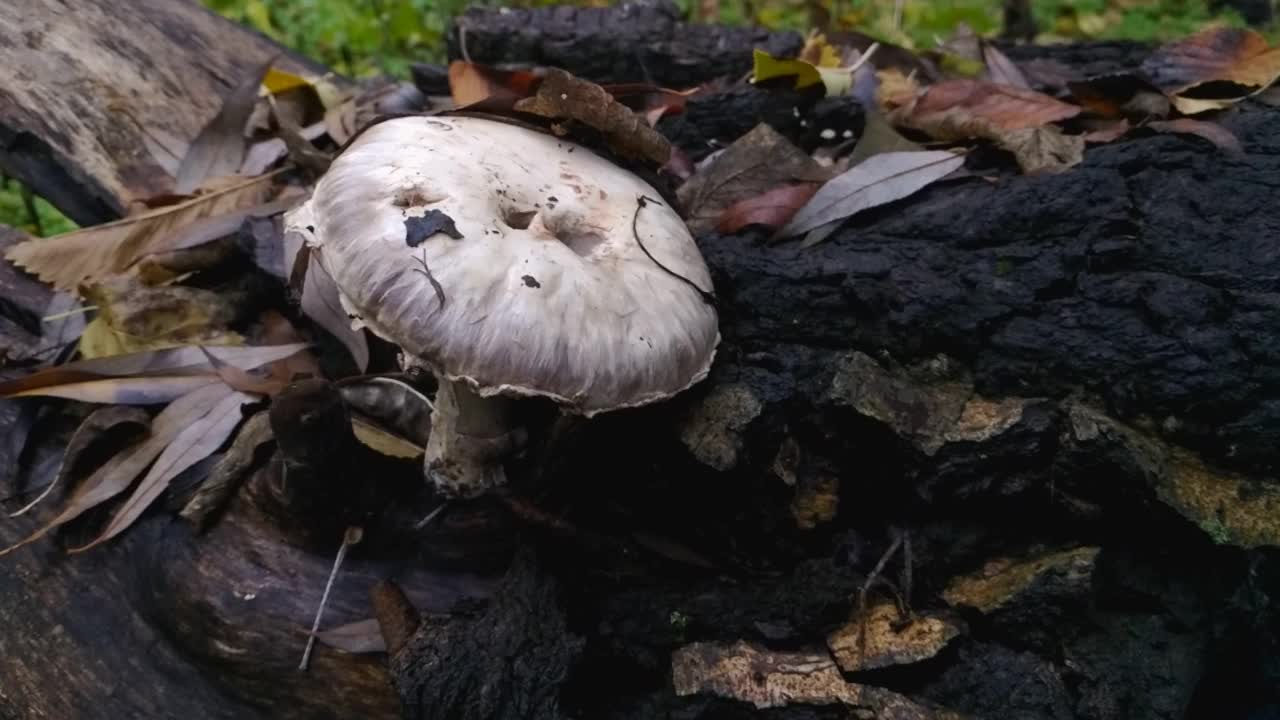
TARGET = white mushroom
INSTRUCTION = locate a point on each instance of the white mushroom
(565, 278)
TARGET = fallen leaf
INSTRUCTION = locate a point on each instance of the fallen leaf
(835, 81)
(225, 477)
(1215, 65)
(755, 163)
(771, 679)
(124, 391)
(880, 638)
(960, 109)
(1108, 132)
(1001, 70)
(480, 87)
(362, 636)
(773, 209)
(263, 154)
(390, 403)
(876, 181)
(561, 96)
(878, 136)
(99, 423)
(117, 474)
(1120, 95)
(219, 148)
(65, 261)
(1043, 150)
(133, 317)
(133, 379)
(193, 443)
(1212, 132)
(383, 441)
(243, 380)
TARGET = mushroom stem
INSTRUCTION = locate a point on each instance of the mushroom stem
(471, 436)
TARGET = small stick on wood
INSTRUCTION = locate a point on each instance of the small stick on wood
(351, 537)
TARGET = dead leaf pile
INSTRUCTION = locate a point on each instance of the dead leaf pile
(924, 111)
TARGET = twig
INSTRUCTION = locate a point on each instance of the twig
(430, 278)
(349, 538)
(431, 516)
(643, 201)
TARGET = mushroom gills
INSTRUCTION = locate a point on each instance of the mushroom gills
(471, 437)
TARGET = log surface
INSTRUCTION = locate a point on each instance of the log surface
(101, 99)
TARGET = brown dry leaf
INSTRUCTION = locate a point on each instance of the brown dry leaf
(1213, 68)
(225, 477)
(768, 679)
(99, 423)
(124, 391)
(1043, 150)
(772, 209)
(893, 89)
(142, 378)
(65, 261)
(961, 109)
(876, 181)
(1108, 132)
(1212, 132)
(196, 441)
(755, 163)
(117, 474)
(133, 317)
(219, 148)
(390, 403)
(1120, 95)
(882, 638)
(362, 636)
(243, 380)
(1001, 70)
(480, 87)
(562, 96)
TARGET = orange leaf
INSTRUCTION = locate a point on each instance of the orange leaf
(772, 209)
(471, 84)
(1215, 55)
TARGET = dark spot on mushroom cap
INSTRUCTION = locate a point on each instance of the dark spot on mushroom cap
(552, 198)
(418, 229)
(529, 281)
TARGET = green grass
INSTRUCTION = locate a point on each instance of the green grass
(369, 37)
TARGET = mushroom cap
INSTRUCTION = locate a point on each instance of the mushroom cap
(547, 292)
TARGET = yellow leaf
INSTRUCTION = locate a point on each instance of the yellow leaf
(835, 81)
(99, 340)
(133, 317)
(277, 81)
(383, 441)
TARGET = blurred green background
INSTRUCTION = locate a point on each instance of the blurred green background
(367, 37)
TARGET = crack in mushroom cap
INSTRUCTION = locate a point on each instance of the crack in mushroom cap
(547, 293)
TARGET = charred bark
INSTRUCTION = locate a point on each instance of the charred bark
(644, 41)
